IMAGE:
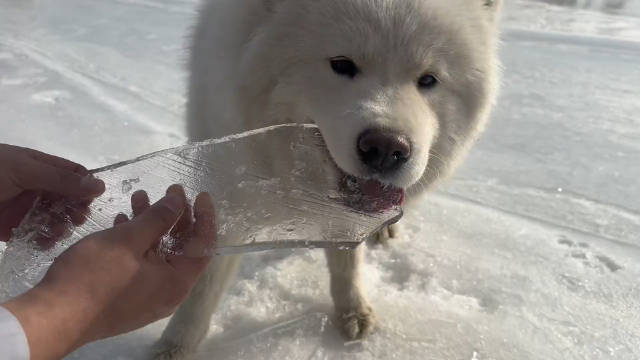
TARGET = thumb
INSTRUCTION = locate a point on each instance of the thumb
(197, 250)
(146, 230)
(36, 175)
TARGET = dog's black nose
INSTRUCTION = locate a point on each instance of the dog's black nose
(383, 151)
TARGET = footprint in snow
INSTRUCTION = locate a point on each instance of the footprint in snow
(580, 251)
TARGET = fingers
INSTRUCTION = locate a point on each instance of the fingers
(57, 162)
(204, 229)
(145, 231)
(120, 219)
(12, 215)
(139, 202)
(78, 213)
(198, 247)
(183, 226)
(35, 175)
(173, 214)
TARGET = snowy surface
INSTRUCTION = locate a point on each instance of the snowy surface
(530, 252)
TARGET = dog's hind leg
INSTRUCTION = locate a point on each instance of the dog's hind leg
(354, 314)
(190, 323)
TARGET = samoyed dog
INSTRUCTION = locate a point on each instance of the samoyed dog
(399, 90)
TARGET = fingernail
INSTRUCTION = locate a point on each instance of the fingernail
(174, 203)
(92, 184)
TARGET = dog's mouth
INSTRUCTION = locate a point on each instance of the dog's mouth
(364, 194)
(370, 195)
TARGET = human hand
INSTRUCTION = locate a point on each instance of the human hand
(26, 174)
(116, 281)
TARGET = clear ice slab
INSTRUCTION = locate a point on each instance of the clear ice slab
(272, 188)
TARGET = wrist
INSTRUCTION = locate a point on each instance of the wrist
(55, 322)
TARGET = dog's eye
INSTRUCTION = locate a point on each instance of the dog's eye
(344, 66)
(427, 81)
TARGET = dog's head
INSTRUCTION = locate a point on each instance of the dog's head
(398, 88)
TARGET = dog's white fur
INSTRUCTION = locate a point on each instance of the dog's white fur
(256, 63)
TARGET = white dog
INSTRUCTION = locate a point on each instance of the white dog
(398, 88)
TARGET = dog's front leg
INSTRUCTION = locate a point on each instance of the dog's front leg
(190, 323)
(355, 315)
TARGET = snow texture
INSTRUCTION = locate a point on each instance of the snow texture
(530, 252)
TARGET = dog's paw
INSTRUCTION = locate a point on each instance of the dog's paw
(387, 234)
(166, 351)
(358, 323)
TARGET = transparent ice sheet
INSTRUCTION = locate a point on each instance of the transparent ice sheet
(288, 195)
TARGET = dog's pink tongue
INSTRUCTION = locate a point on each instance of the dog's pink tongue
(372, 188)
(386, 195)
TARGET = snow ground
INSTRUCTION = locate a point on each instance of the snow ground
(530, 252)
